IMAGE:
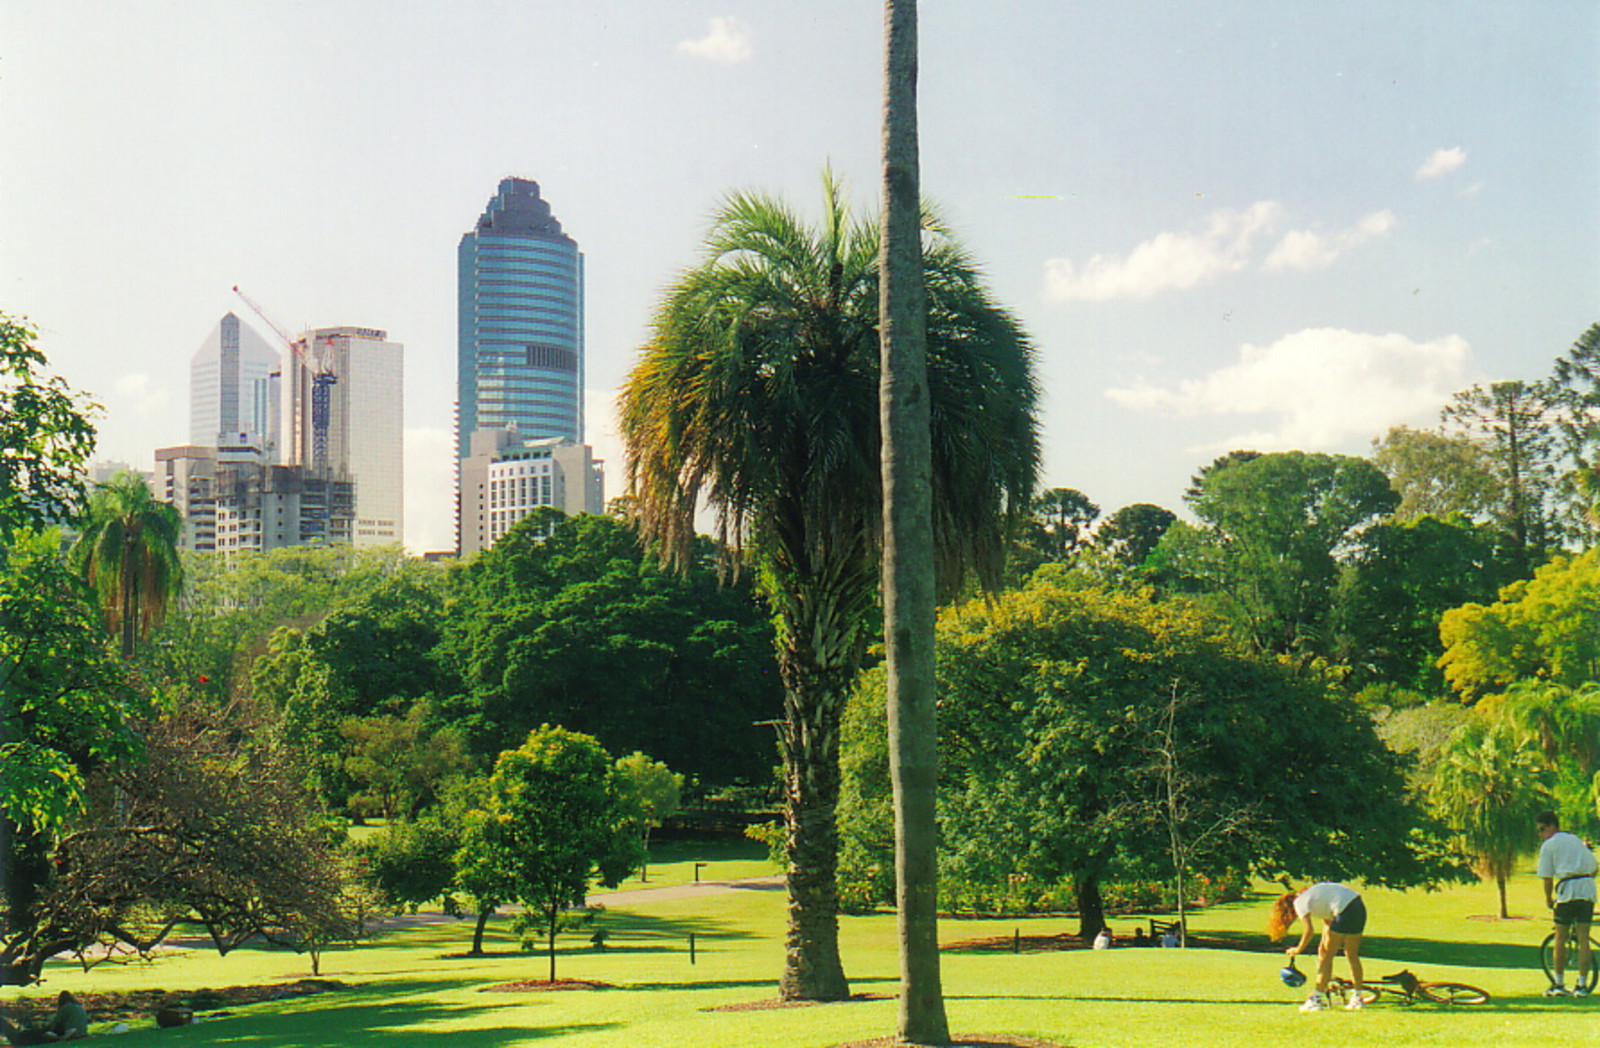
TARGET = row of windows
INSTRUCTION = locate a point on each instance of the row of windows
(526, 249)
(522, 287)
(501, 266)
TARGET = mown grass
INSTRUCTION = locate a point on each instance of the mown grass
(411, 986)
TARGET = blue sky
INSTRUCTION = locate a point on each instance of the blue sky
(1259, 224)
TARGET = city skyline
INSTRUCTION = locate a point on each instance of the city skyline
(1244, 225)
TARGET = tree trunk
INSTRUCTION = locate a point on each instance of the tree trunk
(1500, 883)
(130, 590)
(477, 933)
(908, 559)
(1091, 907)
(555, 923)
(812, 968)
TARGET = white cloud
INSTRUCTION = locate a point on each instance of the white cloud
(138, 394)
(1168, 261)
(1307, 251)
(1318, 388)
(727, 40)
(430, 490)
(1442, 162)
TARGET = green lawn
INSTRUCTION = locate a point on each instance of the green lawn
(407, 990)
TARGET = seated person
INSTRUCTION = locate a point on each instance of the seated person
(70, 1022)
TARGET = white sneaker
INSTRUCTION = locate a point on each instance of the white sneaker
(1315, 1003)
(1353, 1003)
(1557, 990)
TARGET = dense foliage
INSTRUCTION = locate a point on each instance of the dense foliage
(1053, 701)
(567, 621)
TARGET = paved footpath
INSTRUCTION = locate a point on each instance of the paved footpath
(685, 891)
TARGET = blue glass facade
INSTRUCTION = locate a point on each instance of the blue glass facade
(520, 355)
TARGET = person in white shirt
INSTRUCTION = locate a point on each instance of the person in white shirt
(1344, 922)
(1568, 867)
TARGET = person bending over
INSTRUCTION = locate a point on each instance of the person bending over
(1344, 921)
(1567, 866)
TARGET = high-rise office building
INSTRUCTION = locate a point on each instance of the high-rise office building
(520, 340)
(342, 396)
(229, 385)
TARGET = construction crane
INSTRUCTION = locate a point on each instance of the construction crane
(322, 380)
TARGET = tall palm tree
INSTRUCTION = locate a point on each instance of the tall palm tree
(908, 574)
(128, 551)
(759, 392)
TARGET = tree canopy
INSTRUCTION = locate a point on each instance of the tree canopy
(1050, 699)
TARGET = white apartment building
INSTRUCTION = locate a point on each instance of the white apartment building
(504, 478)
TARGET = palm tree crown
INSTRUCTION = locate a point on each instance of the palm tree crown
(128, 551)
(759, 392)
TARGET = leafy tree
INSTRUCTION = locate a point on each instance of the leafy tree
(1516, 423)
(568, 621)
(206, 825)
(128, 551)
(232, 604)
(1437, 474)
(1488, 787)
(1563, 725)
(909, 580)
(759, 390)
(1398, 583)
(400, 763)
(1576, 391)
(1131, 534)
(1275, 527)
(379, 644)
(66, 703)
(651, 792)
(554, 819)
(45, 437)
(1544, 628)
(1051, 698)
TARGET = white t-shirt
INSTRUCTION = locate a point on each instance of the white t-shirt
(1563, 855)
(1325, 901)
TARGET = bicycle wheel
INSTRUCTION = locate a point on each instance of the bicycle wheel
(1547, 957)
(1453, 993)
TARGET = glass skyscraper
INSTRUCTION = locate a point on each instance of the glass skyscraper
(520, 337)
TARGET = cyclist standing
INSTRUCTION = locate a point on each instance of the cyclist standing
(1568, 867)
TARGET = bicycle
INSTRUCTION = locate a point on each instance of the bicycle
(1406, 988)
(1547, 957)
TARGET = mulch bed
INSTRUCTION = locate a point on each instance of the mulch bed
(142, 1004)
(543, 985)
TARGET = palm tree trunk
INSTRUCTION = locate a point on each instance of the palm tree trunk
(908, 562)
(130, 588)
(812, 968)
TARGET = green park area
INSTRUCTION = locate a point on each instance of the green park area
(236, 779)
(411, 983)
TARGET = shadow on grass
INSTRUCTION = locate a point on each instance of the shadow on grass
(380, 1023)
(1380, 949)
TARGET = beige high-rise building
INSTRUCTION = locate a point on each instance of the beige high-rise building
(505, 478)
(343, 418)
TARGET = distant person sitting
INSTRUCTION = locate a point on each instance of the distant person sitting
(69, 1023)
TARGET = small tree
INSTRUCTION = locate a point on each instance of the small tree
(650, 792)
(1488, 785)
(553, 820)
(1192, 823)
